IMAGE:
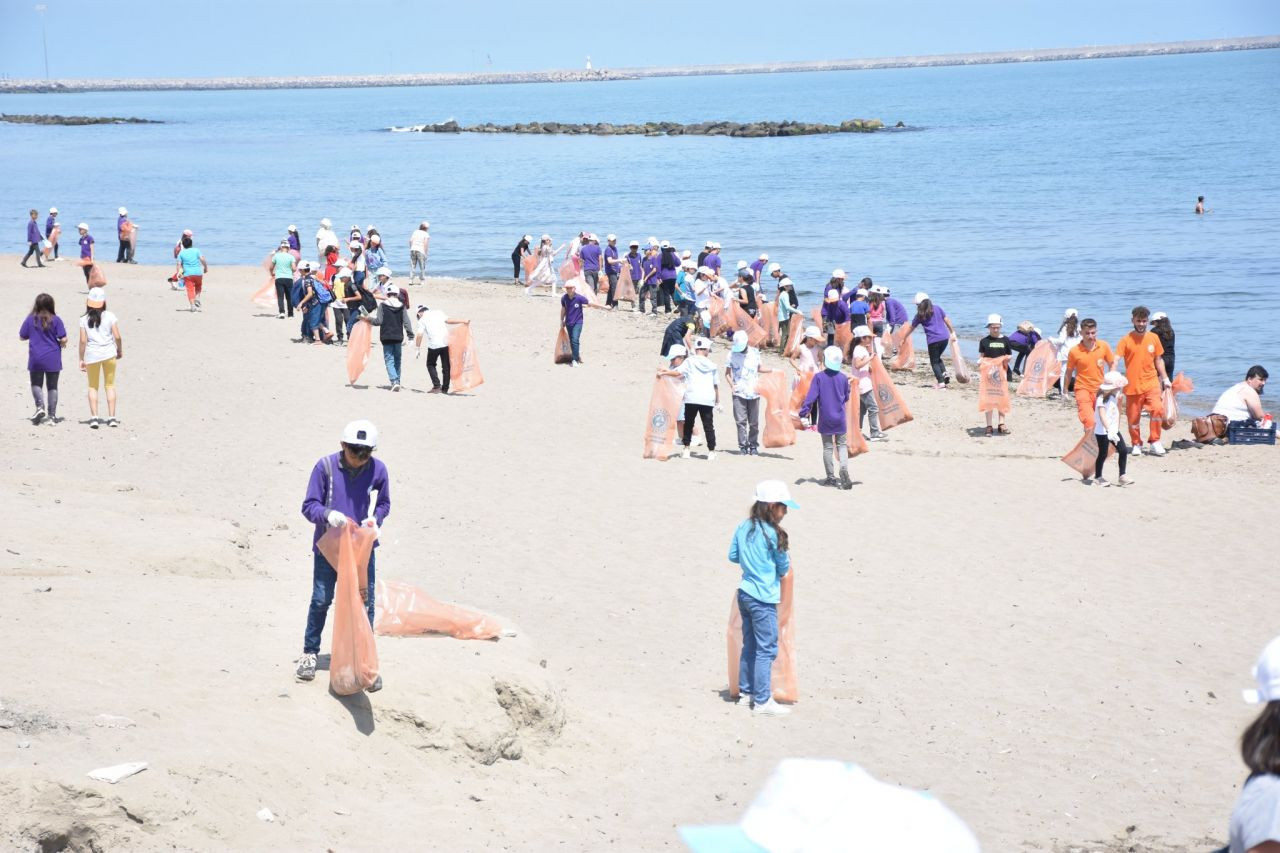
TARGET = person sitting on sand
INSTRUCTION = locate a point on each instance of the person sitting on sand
(1106, 428)
(341, 487)
(1255, 820)
(1241, 404)
(829, 392)
(761, 548)
(1087, 363)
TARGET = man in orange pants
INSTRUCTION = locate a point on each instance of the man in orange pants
(1141, 351)
(1091, 359)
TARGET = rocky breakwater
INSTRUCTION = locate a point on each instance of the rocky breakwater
(73, 120)
(746, 130)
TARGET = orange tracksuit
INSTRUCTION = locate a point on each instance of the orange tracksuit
(1143, 391)
(1089, 365)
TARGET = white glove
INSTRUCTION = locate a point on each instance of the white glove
(417, 353)
(336, 519)
(373, 525)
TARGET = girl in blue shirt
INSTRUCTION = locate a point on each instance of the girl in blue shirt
(761, 548)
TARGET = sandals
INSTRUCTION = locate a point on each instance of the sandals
(990, 432)
(1002, 429)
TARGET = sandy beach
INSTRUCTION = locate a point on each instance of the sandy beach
(1058, 663)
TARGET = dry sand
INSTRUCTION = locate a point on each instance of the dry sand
(1058, 663)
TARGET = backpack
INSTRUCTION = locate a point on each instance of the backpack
(323, 294)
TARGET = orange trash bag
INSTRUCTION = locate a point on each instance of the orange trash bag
(1082, 457)
(97, 278)
(769, 322)
(52, 241)
(626, 289)
(1043, 370)
(844, 337)
(1180, 384)
(893, 409)
(779, 430)
(568, 270)
(358, 345)
(856, 444)
(993, 385)
(783, 673)
(563, 351)
(793, 336)
(263, 294)
(798, 393)
(721, 317)
(353, 663)
(906, 357)
(740, 320)
(666, 406)
(464, 363)
(886, 339)
(958, 364)
(529, 263)
(404, 610)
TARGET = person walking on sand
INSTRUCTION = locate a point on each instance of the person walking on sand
(590, 255)
(701, 395)
(994, 345)
(343, 294)
(433, 327)
(33, 239)
(649, 280)
(124, 252)
(394, 327)
(101, 347)
(865, 350)
(571, 305)
(283, 267)
(342, 487)
(806, 359)
(544, 274)
(46, 338)
(50, 224)
(518, 255)
(419, 242)
(192, 267)
(938, 333)
(1088, 363)
(829, 391)
(1255, 820)
(762, 549)
(743, 372)
(1141, 352)
(313, 297)
(86, 248)
(612, 269)
(1106, 428)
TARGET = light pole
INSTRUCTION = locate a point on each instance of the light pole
(44, 38)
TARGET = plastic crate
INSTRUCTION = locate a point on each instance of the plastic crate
(1251, 435)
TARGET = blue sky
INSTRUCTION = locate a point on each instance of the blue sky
(202, 38)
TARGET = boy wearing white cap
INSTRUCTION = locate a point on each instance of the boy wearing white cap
(743, 372)
(612, 269)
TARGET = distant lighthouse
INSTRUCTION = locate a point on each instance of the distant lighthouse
(588, 63)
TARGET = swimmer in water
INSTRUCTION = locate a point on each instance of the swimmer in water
(1199, 204)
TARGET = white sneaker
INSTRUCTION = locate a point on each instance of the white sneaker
(1124, 481)
(1155, 448)
(744, 700)
(306, 670)
(1137, 450)
(771, 709)
(1101, 481)
(711, 456)
(684, 454)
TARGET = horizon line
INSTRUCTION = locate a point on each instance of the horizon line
(457, 78)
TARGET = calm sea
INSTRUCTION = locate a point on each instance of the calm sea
(1026, 188)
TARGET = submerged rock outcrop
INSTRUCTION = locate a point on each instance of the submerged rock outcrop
(74, 120)
(748, 130)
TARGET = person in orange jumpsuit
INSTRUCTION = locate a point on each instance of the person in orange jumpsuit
(1091, 359)
(1141, 352)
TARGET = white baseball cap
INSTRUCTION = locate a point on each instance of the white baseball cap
(706, 271)
(292, 228)
(921, 297)
(701, 343)
(775, 267)
(634, 243)
(689, 264)
(609, 238)
(592, 236)
(97, 297)
(326, 223)
(740, 341)
(53, 210)
(343, 273)
(1070, 312)
(426, 225)
(83, 227)
(304, 265)
(742, 265)
(764, 256)
(663, 245)
(812, 332)
(861, 291)
(355, 244)
(994, 320)
(383, 271)
(880, 289)
(715, 245)
(1159, 315)
(861, 331)
(527, 237)
(832, 358)
(653, 241)
(122, 211)
(676, 351)
(784, 282)
(361, 433)
(545, 238)
(1267, 674)
(837, 273)
(1113, 380)
(774, 492)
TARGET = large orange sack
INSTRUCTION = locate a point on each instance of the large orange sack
(666, 406)
(568, 270)
(353, 663)
(798, 393)
(1082, 457)
(783, 673)
(528, 263)
(779, 430)
(793, 337)
(404, 610)
(740, 320)
(769, 322)
(893, 409)
(993, 385)
(563, 350)
(1043, 370)
(359, 342)
(854, 440)
(1180, 384)
(958, 364)
(464, 362)
(721, 316)
(906, 357)
(626, 289)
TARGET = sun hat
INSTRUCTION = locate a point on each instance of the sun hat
(774, 492)
(325, 223)
(832, 358)
(1159, 315)
(383, 271)
(742, 265)
(122, 211)
(676, 351)
(701, 343)
(819, 804)
(82, 227)
(1267, 674)
(837, 273)
(740, 341)
(97, 297)
(764, 256)
(1070, 312)
(994, 320)
(53, 210)
(861, 332)
(361, 433)
(812, 332)
(1113, 380)
(832, 296)
(921, 297)
(784, 282)
(706, 271)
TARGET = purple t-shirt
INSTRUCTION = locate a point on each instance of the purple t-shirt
(43, 352)
(590, 255)
(612, 265)
(894, 312)
(713, 261)
(573, 308)
(633, 264)
(830, 390)
(936, 329)
(86, 244)
(835, 312)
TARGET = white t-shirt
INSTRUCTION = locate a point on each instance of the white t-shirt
(863, 374)
(1231, 404)
(325, 237)
(431, 325)
(806, 359)
(1108, 408)
(701, 378)
(1256, 817)
(418, 241)
(745, 369)
(101, 344)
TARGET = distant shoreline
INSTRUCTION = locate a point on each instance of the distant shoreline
(601, 75)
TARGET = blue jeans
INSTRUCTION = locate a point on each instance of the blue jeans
(759, 647)
(575, 335)
(391, 353)
(323, 582)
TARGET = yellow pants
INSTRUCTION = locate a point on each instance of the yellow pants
(102, 368)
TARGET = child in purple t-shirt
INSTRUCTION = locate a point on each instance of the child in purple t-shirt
(46, 337)
(937, 334)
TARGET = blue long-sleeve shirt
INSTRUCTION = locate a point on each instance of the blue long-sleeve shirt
(755, 549)
(830, 390)
(335, 486)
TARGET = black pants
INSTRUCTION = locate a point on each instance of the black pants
(40, 380)
(936, 349)
(667, 294)
(592, 278)
(515, 267)
(86, 273)
(441, 355)
(123, 252)
(613, 288)
(1022, 352)
(650, 291)
(33, 249)
(284, 295)
(1121, 451)
(55, 250)
(691, 411)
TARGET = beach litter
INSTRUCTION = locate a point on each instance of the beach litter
(117, 772)
(265, 814)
